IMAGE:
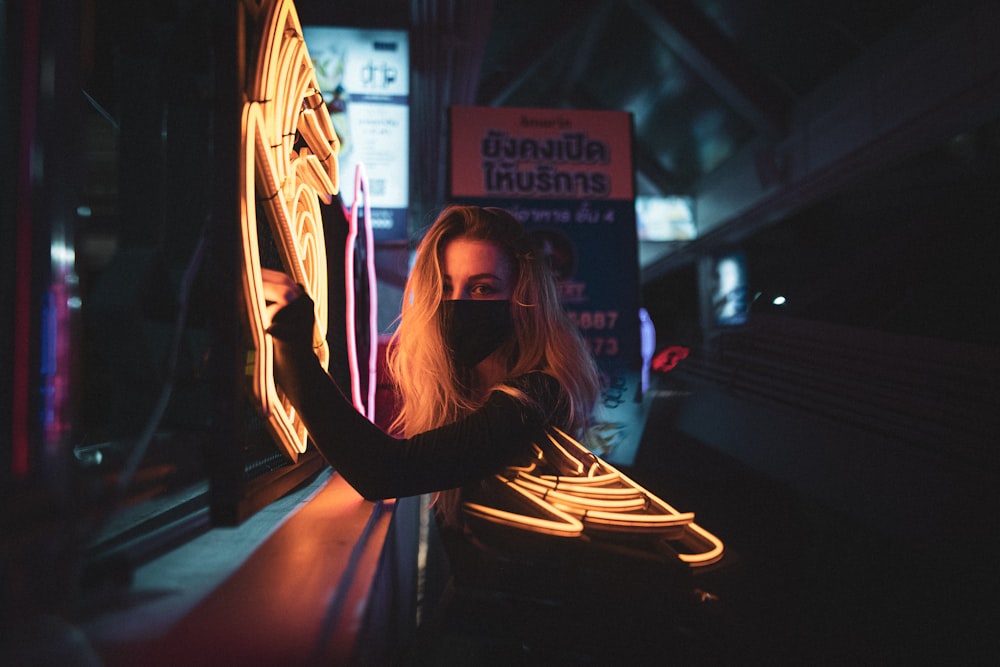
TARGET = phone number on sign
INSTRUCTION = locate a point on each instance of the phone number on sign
(602, 346)
(597, 321)
(594, 320)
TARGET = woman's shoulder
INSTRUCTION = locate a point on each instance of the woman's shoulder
(537, 384)
(543, 391)
(536, 396)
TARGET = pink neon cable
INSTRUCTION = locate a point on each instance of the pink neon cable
(350, 317)
(361, 185)
(372, 301)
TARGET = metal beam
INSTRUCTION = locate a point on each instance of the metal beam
(700, 45)
(561, 39)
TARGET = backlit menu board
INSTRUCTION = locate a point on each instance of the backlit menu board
(364, 76)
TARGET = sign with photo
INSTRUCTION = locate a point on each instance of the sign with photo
(364, 75)
(567, 176)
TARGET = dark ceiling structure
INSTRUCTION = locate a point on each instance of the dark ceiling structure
(701, 77)
(754, 109)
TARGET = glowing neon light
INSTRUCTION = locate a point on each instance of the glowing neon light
(668, 358)
(573, 499)
(366, 408)
(282, 103)
(590, 495)
(372, 301)
(596, 486)
(558, 523)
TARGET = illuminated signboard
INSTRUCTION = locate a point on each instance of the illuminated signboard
(567, 175)
(665, 219)
(364, 75)
(729, 292)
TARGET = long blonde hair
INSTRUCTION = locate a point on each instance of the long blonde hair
(430, 390)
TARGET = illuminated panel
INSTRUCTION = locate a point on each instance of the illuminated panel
(588, 495)
(283, 106)
(364, 73)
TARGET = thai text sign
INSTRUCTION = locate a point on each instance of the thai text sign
(566, 174)
(541, 153)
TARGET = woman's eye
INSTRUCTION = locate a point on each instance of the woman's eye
(483, 290)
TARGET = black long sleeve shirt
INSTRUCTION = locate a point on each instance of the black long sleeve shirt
(378, 465)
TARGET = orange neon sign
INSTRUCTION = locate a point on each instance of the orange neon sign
(283, 104)
(569, 491)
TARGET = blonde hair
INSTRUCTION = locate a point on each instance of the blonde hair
(431, 391)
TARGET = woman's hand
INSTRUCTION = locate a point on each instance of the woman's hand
(279, 291)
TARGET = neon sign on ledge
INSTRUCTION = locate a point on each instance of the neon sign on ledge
(567, 491)
(282, 103)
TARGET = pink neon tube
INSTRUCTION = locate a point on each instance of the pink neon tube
(365, 407)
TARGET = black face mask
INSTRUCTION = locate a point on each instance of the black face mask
(473, 330)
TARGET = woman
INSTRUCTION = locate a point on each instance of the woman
(484, 359)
